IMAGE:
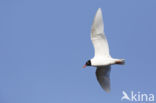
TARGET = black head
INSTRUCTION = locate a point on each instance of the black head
(88, 63)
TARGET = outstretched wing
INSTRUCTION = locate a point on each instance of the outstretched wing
(103, 77)
(98, 37)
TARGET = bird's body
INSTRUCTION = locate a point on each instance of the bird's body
(102, 58)
(106, 62)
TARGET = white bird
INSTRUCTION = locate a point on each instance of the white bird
(102, 59)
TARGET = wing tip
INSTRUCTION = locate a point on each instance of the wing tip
(107, 90)
(99, 11)
(98, 26)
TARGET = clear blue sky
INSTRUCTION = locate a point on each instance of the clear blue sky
(44, 44)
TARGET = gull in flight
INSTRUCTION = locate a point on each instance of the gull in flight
(102, 59)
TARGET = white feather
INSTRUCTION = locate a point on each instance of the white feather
(99, 41)
(102, 59)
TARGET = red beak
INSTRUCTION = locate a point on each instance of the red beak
(84, 66)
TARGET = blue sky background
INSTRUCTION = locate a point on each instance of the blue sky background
(45, 43)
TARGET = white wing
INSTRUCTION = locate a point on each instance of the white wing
(98, 37)
(103, 77)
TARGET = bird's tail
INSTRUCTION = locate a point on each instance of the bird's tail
(120, 61)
